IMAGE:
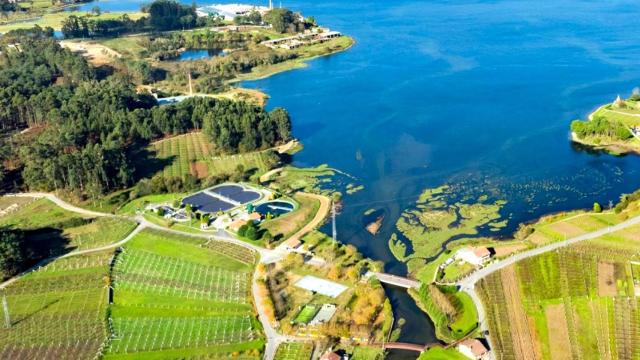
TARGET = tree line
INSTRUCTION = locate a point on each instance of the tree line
(600, 126)
(83, 131)
(163, 15)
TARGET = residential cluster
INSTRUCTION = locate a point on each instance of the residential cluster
(309, 37)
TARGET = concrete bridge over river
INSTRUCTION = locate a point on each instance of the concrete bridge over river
(394, 280)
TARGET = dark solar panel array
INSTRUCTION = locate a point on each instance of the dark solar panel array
(207, 203)
(236, 193)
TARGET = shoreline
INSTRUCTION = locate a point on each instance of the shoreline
(615, 148)
(294, 64)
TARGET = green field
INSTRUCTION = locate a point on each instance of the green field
(438, 353)
(172, 293)
(306, 314)
(194, 154)
(45, 222)
(628, 115)
(579, 302)
(294, 351)
(453, 312)
(304, 53)
(58, 311)
(55, 19)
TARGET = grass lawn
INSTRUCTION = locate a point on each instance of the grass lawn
(38, 214)
(304, 53)
(128, 46)
(45, 222)
(306, 314)
(467, 319)
(131, 207)
(367, 353)
(55, 19)
(286, 225)
(294, 351)
(438, 353)
(175, 296)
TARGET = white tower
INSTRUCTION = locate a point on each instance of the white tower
(270, 4)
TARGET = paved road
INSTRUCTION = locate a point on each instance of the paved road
(274, 339)
(395, 280)
(468, 284)
(63, 204)
(44, 262)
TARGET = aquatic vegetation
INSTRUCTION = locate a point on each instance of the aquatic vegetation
(438, 219)
(397, 247)
(352, 189)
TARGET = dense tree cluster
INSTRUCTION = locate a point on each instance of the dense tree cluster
(244, 127)
(252, 18)
(88, 127)
(284, 20)
(26, 76)
(13, 253)
(163, 15)
(600, 126)
(8, 6)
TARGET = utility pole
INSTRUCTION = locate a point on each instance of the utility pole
(7, 318)
(333, 218)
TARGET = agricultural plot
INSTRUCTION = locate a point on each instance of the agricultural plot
(171, 294)
(194, 154)
(100, 232)
(58, 311)
(294, 351)
(45, 222)
(578, 302)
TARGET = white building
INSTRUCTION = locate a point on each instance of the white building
(473, 349)
(474, 255)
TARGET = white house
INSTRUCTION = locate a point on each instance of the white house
(473, 349)
(474, 255)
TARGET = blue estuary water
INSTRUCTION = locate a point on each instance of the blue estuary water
(478, 94)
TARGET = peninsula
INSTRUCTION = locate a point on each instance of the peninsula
(613, 127)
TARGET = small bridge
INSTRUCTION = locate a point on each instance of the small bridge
(402, 346)
(394, 280)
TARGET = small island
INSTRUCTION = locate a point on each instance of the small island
(614, 128)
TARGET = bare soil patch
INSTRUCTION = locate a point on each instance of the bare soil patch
(508, 250)
(567, 229)
(607, 279)
(559, 343)
(525, 344)
(97, 54)
(200, 169)
(538, 238)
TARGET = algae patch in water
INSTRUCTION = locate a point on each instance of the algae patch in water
(438, 218)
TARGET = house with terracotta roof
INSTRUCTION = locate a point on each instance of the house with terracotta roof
(473, 349)
(474, 255)
(331, 356)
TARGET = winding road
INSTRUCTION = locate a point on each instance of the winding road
(267, 256)
(468, 284)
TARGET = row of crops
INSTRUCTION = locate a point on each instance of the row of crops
(57, 312)
(174, 295)
(577, 303)
(193, 154)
